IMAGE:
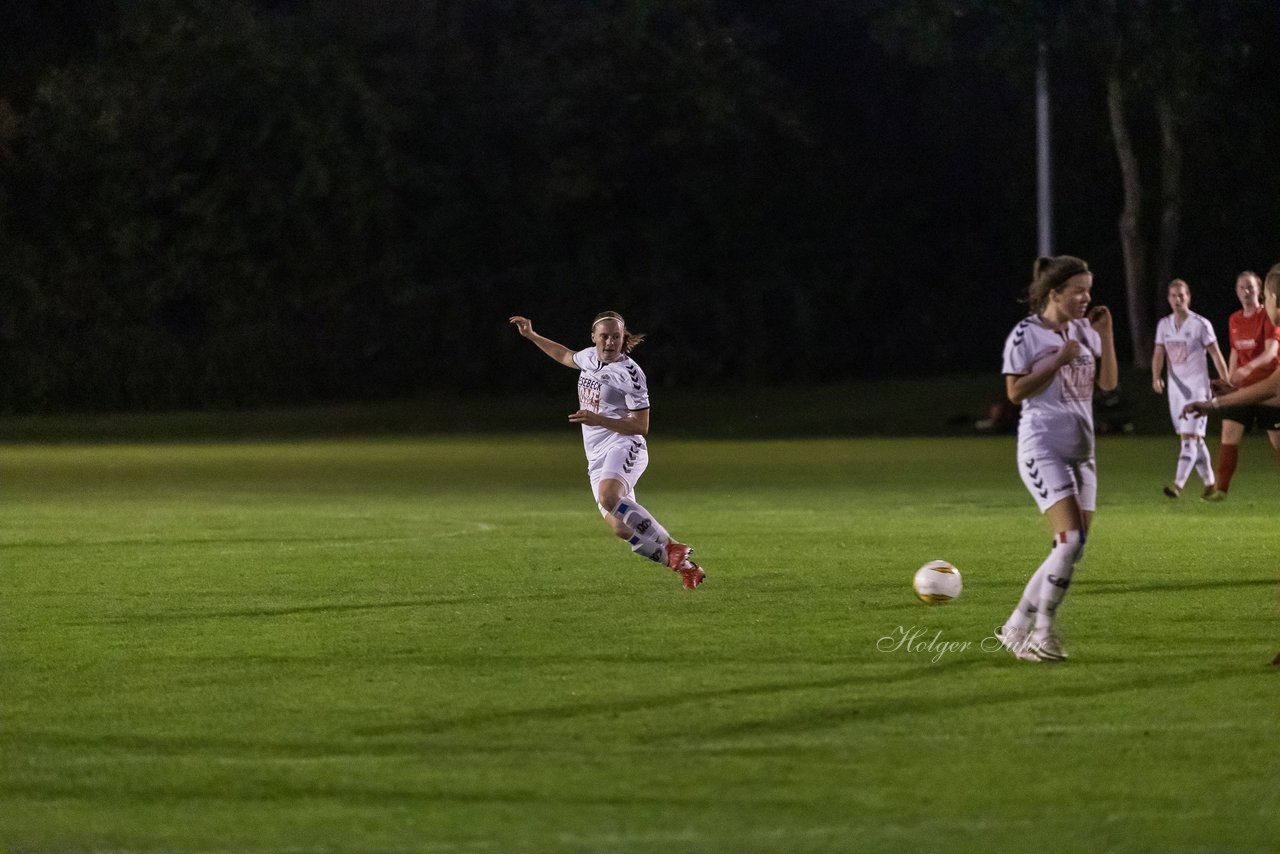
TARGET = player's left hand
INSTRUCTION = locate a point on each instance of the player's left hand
(1100, 319)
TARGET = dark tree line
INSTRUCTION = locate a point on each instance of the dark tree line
(228, 203)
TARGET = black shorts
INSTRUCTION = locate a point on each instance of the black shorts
(1252, 414)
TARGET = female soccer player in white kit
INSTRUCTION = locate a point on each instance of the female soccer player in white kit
(613, 409)
(1051, 361)
(1184, 338)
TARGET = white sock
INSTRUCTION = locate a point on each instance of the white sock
(1068, 548)
(648, 538)
(1030, 602)
(1186, 459)
(652, 551)
(1204, 462)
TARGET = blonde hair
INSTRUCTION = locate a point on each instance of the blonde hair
(1051, 274)
(1272, 282)
(630, 340)
(1178, 283)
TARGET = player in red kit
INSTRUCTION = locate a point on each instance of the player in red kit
(1254, 348)
(1265, 392)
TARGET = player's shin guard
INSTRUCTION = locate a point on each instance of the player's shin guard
(1068, 548)
(644, 528)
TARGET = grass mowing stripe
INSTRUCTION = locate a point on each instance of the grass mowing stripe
(416, 645)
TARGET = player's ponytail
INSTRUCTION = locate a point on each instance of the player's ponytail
(1051, 274)
(630, 340)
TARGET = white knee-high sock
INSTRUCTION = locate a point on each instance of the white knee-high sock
(1186, 459)
(1028, 609)
(1025, 612)
(1204, 462)
(648, 538)
(652, 551)
(1068, 548)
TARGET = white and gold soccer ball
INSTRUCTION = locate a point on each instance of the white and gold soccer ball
(937, 582)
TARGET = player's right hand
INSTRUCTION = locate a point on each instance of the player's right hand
(1157, 385)
(523, 325)
(1068, 352)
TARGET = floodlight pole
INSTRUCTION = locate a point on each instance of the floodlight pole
(1044, 190)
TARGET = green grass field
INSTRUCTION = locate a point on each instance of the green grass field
(435, 645)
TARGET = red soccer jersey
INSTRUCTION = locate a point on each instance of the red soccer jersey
(1249, 337)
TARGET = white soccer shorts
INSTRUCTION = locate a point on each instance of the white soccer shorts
(1195, 425)
(625, 461)
(1049, 480)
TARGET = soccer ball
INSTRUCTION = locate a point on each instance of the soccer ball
(937, 582)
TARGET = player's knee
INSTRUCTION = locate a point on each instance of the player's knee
(609, 496)
(1070, 545)
(1077, 549)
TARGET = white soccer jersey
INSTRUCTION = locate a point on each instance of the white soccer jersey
(612, 389)
(1184, 349)
(1059, 420)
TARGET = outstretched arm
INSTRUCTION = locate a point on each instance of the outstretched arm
(1267, 391)
(558, 352)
